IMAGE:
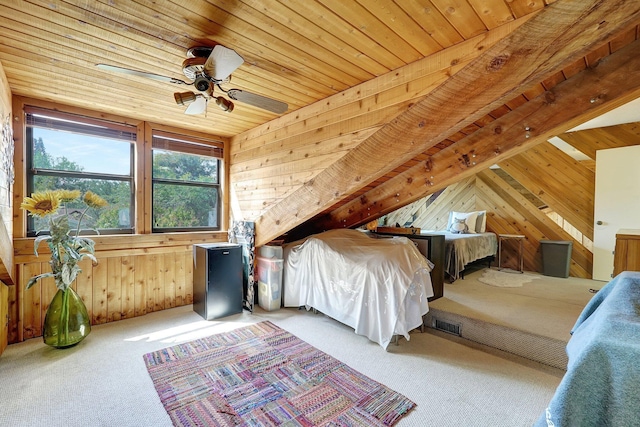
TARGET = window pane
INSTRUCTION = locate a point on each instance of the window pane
(66, 151)
(184, 206)
(184, 167)
(116, 193)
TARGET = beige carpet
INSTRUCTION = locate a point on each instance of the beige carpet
(547, 306)
(103, 381)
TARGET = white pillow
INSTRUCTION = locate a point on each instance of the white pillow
(481, 222)
(470, 219)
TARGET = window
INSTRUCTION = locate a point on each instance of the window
(71, 152)
(186, 183)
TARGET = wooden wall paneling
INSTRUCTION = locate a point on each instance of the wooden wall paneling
(128, 294)
(84, 285)
(626, 132)
(48, 289)
(547, 115)
(590, 140)
(522, 7)
(159, 289)
(249, 158)
(511, 213)
(421, 207)
(492, 14)
(82, 39)
(168, 280)
(196, 27)
(114, 288)
(503, 218)
(361, 113)
(359, 41)
(182, 259)
(308, 147)
(151, 278)
(461, 17)
(434, 66)
(371, 158)
(19, 159)
(286, 25)
(100, 289)
(368, 24)
(312, 28)
(316, 163)
(141, 285)
(404, 26)
(459, 197)
(30, 302)
(430, 17)
(188, 275)
(4, 313)
(561, 182)
(15, 331)
(404, 215)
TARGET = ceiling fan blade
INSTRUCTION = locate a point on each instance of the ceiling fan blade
(141, 74)
(259, 101)
(197, 107)
(222, 62)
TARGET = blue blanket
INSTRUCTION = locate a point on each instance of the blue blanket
(602, 383)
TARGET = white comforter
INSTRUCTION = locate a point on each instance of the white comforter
(379, 287)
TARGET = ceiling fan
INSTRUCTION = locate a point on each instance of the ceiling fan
(208, 68)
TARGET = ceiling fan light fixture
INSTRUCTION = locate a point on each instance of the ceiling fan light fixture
(225, 105)
(184, 98)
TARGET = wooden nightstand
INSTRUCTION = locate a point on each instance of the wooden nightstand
(520, 238)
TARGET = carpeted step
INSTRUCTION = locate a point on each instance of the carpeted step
(548, 351)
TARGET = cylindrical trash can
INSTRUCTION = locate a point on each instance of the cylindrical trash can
(556, 257)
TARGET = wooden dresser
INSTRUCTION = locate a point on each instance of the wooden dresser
(627, 252)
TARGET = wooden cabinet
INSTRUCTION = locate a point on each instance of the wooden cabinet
(627, 252)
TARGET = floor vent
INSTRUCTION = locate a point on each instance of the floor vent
(450, 328)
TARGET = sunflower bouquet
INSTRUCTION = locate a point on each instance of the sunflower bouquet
(67, 246)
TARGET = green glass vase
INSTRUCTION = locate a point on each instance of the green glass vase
(66, 322)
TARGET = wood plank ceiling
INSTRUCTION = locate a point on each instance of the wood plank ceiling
(347, 69)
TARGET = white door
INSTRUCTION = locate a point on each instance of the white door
(617, 203)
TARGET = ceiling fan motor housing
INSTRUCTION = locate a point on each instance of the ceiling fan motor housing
(202, 83)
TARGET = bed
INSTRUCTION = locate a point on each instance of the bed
(466, 242)
(602, 382)
(379, 287)
(464, 249)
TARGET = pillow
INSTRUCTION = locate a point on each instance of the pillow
(462, 223)
(481, 222)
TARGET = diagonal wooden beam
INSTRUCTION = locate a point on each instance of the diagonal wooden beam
(614, 81)
(556, 37)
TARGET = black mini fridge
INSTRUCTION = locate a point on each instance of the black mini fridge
(217, 279)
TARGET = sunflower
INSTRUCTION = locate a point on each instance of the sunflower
(68, 195)
(93, 200)
(41, 204)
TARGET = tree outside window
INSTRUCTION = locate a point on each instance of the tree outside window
(186, 186)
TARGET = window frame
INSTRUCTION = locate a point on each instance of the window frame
(187, 144)
(75, 123)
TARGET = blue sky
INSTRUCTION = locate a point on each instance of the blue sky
(100, 155)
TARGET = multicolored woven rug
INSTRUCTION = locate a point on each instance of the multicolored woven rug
(261, 375)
